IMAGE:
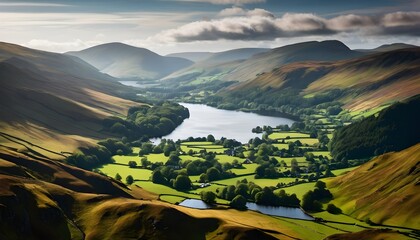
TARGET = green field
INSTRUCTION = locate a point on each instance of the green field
(125, 159)
(301, 160)
(227, 159)
(208, 148)
(261, 182)
(112, 169)
(309, 141)
(196, 143)
(299, 189)
(156, 157)
(188, 157)
(283, 135)
(248, 168)
(171, 199)
(323, 153)
(281, 145)
(162, 189)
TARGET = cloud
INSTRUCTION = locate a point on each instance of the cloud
(233, 11)
(228, 2)
(258, 24)
(401, 19)
(52, 46)
(31, 4)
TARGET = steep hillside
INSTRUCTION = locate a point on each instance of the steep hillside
(384, 190)
(393, 129)
(43, 199)
(124, 61)
(52, 100)
(306, 51)
(369, 81)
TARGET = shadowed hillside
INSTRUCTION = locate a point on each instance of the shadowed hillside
(55, 100)
(44, 199)
(384, 190)
(393, 129)
(124, 61)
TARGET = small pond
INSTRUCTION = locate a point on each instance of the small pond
(289, 212)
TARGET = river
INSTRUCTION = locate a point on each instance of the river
(205, 120)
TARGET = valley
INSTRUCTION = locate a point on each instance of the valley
(306, 141)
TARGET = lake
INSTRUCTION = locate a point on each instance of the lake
(205, 120)
(289, 212)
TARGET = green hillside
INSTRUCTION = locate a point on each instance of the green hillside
(383, 190)
(393, 129)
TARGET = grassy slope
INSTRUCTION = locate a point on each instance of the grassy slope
(374, 80)
(50, 200)
(54, 100)
(385, 189)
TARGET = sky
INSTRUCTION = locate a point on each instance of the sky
(169, 26)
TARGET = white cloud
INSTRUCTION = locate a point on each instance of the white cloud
(259, 24)
(48, 45)
(233, 11)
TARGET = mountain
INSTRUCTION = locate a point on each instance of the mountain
(46, 199)
(388, 47)
(307, 51)
(128, 62)
(192, 56)
(383, 190)
(217, 65)
(54, 100)
(369, 81)
(247, 66)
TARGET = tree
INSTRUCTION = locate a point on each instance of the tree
(331, 208)
(210, 138)
(144, 162)
(132, 164)
(309, 203)
(213, 174)
(118, 177)
(203, 178)
(208, 197)
(238, 202)
(182, 183)
(157, 177)
(129, 179)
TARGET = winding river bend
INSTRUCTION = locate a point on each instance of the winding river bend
(205, 120)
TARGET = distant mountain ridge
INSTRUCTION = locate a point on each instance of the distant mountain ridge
(128, 62)
(226, 68)
(389, 47)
